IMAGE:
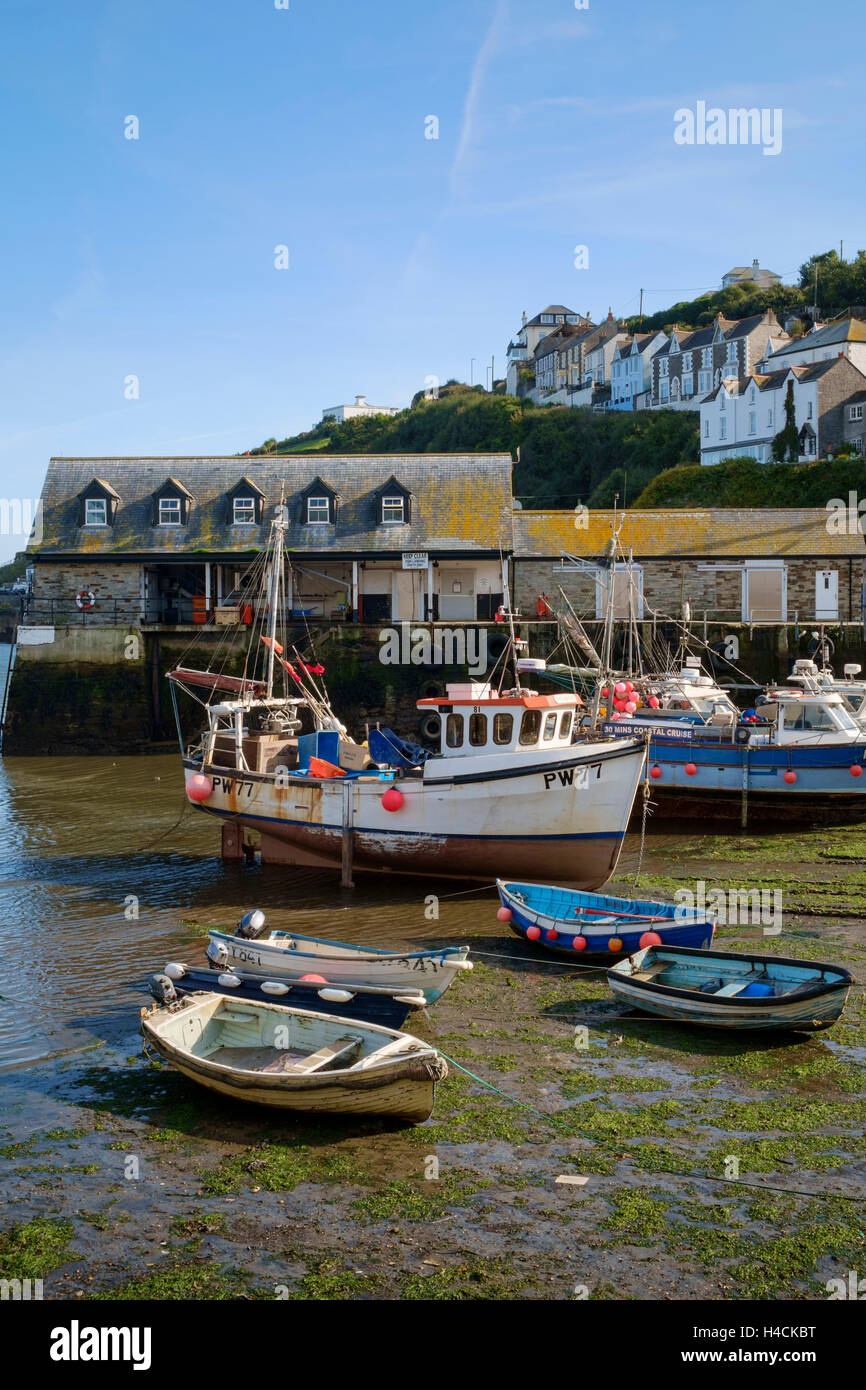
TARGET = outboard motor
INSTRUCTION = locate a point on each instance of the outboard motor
(252, 924)
(162, 989)
(216, 953)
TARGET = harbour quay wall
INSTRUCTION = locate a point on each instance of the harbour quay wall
(91, 689)
(85, 688)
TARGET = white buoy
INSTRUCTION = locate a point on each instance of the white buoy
(274, 987)
(336, 996)
(228, 980)
(175, 970)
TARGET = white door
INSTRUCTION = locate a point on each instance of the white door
(827, 594)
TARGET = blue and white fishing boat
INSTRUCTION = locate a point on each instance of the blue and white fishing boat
(798, 755)
(564, 921)
(255, 952)
(721, 989)
(388, 1007)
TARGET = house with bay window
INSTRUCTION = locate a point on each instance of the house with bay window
(174, 542)
(631, 370)
(692, 363)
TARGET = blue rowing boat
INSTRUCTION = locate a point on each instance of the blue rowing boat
(725, 989)
(387, 1007)
(565, 921)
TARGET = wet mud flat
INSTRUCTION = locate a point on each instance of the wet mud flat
(702, 1165)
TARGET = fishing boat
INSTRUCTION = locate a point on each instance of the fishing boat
(504, 785)
(255, 952)
(721, 989)
(390, 1007)
(295, 1059)
(564, 921)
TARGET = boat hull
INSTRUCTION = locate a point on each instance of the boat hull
(431, 972)
(384, 1009)
(695, 932)
(814, 1005)
(563, 816)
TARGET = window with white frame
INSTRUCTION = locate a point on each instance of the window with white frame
(665, 391)
(96, 511)
(169, 511)
(732, 352)
(243, 511)
(393, 510)
(753, 422)
(856, 412)
(706, 429)
(769, 419)
(664, 367)
(723, 429)
(809, 411)
(707, 357)
(688, 384)
(704, 379)
(721, 400)
(687, 361)
(318, 511)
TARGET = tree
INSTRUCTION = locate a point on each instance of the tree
(786, 444)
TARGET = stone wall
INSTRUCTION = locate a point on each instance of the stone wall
(116, 589)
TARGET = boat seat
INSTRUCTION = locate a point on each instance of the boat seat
(652, 971)
(734, 987)
(331, 1052)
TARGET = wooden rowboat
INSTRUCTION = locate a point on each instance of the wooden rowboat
(389, 1007)
(294, 1059)
(281, 955)
(564, 921)
(722, 989)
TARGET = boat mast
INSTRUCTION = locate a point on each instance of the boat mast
(278, 531)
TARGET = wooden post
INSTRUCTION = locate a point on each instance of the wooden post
(347, 846)
(744, 808)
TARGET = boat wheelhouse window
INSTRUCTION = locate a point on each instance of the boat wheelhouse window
(549, 727)
(806, 716)
(503, 728)
(96, 512)
(169, 511)
(565, 724)
(243, 511)
(454, 730)
(318, 511)
(530, 726)
(478, 730)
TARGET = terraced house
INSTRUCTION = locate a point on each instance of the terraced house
(692, 364)
(166, 542)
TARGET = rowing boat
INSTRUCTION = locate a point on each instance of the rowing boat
(722, 989)
(563, 921)
(294, 1059)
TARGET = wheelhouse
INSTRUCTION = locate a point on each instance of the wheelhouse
(476, 720)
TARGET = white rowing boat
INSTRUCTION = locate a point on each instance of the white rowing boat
(294, 1059)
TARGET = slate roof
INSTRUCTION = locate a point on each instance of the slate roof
(460, 502)
(765, 534)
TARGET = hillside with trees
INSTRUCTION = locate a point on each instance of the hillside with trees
(565, 456)
(743, 482)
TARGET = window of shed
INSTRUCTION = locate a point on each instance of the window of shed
(244, 511)
(565, 724)
(96, 512)
(393, 509)
(503, 728)
(530, 727)
(454, 731)
(549, 727)
(318, 511)
(169, 511)
(478, 730)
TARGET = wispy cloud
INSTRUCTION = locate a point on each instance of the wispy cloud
(471, 106)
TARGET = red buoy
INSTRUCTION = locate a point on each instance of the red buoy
(578, 943)
(614, 945)
(655, 771)
(392, 800)
(551, 934)
(790, 776)
(313, 980)
(691, 769)
(199, 787)
(653, 701)
(533, 933)
(504, 914)
(856, 770)
(650, 938)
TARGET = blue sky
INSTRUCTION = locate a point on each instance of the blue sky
(305, 127)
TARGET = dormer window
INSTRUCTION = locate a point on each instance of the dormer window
(393, 509)
(318, 511)
(97, 504)
(319, 504)
(171, 504)
(245, 504)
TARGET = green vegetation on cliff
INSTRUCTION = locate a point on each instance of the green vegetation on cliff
(742, 482)
(565, 456)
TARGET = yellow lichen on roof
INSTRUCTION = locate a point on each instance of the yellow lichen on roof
(746, 532)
